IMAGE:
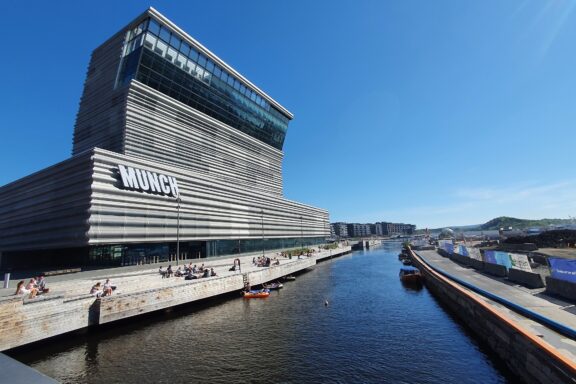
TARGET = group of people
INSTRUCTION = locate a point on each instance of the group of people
(189, 272)
(36, 286)
(300, 253)
(100, 290)
(263, 261)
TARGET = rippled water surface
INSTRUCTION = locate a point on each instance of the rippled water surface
(374, 330)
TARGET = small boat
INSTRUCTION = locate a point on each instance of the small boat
(253, 294)
(410, 275)
(289, 278)
(273, 286)
(403, 255)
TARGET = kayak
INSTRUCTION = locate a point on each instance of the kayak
(260, 293)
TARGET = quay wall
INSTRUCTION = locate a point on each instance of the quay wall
(24, 321)
(528, 356)
(118, 307)
(366, 244)
(334, 253)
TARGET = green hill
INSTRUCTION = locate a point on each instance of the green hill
(505, 222)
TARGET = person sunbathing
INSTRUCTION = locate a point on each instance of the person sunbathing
(21, 289)
(96, 290)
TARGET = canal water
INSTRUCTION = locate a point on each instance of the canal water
(373, 330)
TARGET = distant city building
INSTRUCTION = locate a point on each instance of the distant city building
(392, 229)
(378, 229)
(339, 229)
(383, 228)
(359, 230)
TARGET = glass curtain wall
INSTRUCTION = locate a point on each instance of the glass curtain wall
(158, 58)
(134, 254)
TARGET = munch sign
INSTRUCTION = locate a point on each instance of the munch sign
(140, 180)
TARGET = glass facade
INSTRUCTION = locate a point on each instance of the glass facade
(160, 59)
(133, 254)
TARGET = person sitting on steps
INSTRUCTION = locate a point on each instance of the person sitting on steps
(96, 290)
(21, 289)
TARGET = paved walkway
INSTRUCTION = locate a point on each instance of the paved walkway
(532, 299)
(137, 277)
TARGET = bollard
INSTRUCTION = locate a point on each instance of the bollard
(7, 280)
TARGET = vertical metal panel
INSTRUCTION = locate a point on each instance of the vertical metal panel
(211, 209)
(48, 209)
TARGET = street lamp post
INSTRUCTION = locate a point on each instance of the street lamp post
(262, 217)
(301, 234)
(178, 200)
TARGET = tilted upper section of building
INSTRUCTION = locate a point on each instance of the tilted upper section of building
(154, 92)
(157, 53)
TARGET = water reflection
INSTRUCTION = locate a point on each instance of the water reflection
(374, 330)
(411, 287)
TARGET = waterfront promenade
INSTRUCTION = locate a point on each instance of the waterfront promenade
(503, 334)
(140, 289)
(355, 339)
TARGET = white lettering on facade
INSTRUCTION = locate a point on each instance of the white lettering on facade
(146, 181)
(128, 177)
(173, 186)
(154, 185)
(164, 184)
(142, 180)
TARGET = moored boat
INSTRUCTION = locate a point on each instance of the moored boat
(273, 286)
(289, 278)
(253, 294)
(410, 275)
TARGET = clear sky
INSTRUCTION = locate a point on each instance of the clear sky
(434, 113)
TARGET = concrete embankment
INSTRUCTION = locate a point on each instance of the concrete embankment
(366, 244)
(14, 372)
(534, 357)
(23, 320)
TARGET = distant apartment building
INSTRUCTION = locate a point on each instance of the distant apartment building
(392, 229)
(339, 229)
(383, 228)
(359, 230)
(378, 229)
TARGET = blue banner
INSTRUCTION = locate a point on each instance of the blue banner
(563, 269)
(446, 245)
(490, 257)
(462, 250)
(503, 258)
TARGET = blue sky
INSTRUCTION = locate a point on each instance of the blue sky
(434, 113)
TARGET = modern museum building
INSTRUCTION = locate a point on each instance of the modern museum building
(173, 151)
